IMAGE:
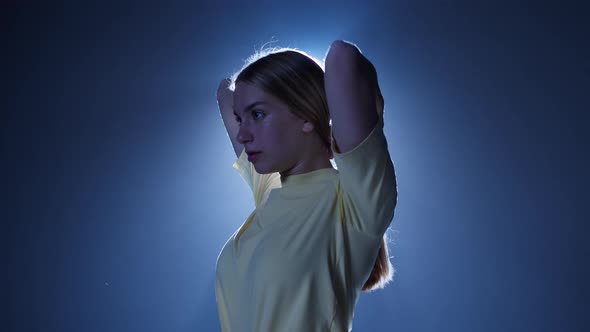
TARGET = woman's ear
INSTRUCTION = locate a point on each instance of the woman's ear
(308, 127)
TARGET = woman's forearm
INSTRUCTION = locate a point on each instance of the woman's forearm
(225, 103)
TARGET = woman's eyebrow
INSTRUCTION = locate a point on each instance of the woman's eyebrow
(251, 106)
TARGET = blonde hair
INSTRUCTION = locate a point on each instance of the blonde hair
(297, 79)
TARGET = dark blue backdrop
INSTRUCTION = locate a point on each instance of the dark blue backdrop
(119, 189)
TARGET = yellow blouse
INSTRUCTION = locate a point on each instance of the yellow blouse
(300, 259)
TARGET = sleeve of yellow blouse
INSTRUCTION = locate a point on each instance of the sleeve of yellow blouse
(260, 184)
(368, 183)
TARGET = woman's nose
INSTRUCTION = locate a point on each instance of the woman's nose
(244, 135)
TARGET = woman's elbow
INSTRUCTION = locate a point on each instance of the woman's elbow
(342, 53)
(345, 61)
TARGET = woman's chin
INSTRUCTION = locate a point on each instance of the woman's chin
(260, 169)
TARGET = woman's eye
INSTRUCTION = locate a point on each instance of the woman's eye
(257, 115)
(238, 120)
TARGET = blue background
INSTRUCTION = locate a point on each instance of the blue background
(119, 191)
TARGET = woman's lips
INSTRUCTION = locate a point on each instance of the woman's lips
(253, 156)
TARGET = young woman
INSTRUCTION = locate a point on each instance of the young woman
(316, 236)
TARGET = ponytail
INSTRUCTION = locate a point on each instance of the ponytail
(382, 270)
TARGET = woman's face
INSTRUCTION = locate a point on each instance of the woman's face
(269, 132)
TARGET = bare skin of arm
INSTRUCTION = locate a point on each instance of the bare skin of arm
(225, 102)
(354, 98)
(351, 88)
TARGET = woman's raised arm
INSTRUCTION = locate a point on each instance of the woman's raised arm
(225, 101)
(354, 99)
